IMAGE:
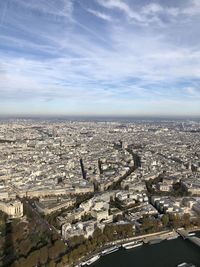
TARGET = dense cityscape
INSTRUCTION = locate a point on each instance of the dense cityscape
(99, 133)
(71, 191)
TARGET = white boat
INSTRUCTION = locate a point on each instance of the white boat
(90, 261)
(191, 234)
(109, 250)
(129, 243)
(184, 264)
(133, 245)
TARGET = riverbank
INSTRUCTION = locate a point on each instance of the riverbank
(165, 254)
(162, 235)
(144, 238)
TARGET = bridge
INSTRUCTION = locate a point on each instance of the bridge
(185, 235)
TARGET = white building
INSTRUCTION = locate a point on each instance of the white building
(14, 208)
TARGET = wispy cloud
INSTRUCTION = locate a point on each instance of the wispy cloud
(72, 55)
(153, 12)
(122, 6)
(100, 14)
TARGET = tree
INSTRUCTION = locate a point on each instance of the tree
(59, 264)
(65, 259)
(24, 247)
(43, 255)
(51, 264)
(186, 220)
(175, 220)
(165, 220)
(32, 259)
(57, 249)
(76, 240)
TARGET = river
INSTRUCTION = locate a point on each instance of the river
(165, 254)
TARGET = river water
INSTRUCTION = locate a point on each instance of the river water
(165, 254)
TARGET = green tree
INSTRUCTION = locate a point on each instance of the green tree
(33, 259)
(51, 264)
(43, 255)
(186, 220)
(165, 220)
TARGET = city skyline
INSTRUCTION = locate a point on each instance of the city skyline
(99, 57)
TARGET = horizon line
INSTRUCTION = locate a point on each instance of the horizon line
(161, 116)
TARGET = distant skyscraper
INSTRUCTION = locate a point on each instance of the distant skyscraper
(99, 166)
(82, 169)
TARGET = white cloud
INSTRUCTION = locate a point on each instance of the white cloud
(192, 9)
(122, 62)
(189, 8)
(122, 6)
(192, 92)
(152, 13)
(152, 8)
(100, 15)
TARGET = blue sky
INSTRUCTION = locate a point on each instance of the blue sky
(100, 57)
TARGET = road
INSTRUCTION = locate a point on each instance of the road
(50, 228)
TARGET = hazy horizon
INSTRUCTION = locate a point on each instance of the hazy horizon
(99, 58)
(99, 117)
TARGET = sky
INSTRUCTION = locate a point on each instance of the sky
(100, 57)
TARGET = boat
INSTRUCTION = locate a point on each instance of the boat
(91, 260)
(191, 234)
(109, 250)
(133, 245)
(129, 243)
(184, 264)
(155, 241)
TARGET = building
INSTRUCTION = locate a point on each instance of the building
(14, 208)
(49, 205)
